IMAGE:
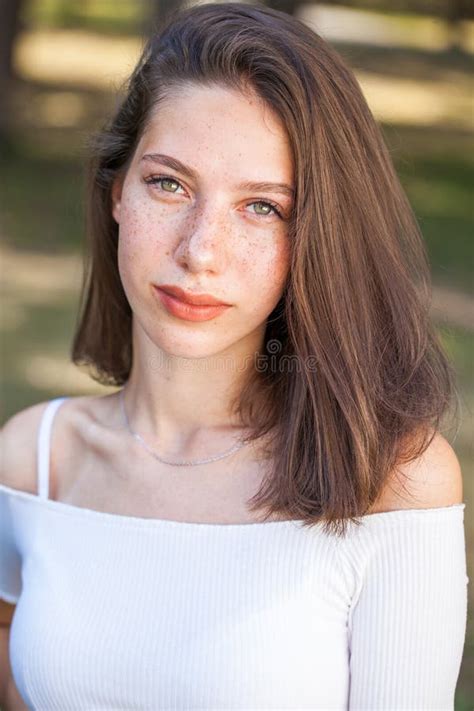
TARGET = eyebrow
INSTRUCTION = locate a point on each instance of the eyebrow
(176, 164)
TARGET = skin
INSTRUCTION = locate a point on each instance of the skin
(204, 234)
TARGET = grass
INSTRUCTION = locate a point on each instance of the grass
(439, 186)
(42, 201)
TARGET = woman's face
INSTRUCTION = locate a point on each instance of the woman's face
(190, 217)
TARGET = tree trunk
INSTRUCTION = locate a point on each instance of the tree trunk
(9, 28)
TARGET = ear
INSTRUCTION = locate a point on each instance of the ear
(116, 196)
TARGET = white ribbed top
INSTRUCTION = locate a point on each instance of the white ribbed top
(121, 612)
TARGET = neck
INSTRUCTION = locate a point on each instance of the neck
(184, 405)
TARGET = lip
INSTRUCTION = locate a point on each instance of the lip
(190, 298)
(186, 311)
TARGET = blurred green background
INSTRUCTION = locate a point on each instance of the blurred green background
(68, 59)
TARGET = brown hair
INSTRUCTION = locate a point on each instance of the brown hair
(355, 309)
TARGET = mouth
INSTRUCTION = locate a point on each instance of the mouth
(190, 297)
(186, 311)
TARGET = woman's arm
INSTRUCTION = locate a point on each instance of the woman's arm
(408, 619)
(4, 664)
(10, 699)
(18, 468)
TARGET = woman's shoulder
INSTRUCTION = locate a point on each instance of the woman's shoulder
(18, 448)
(432, 480)
(19, 437)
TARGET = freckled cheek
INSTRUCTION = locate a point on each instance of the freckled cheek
(281, 262)
(264, 269)
(145, 232)
(133, 246)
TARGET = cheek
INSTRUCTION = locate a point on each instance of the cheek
(128, 252)
(147, 230)
(134, 242)
(138, 237)
(264, 268)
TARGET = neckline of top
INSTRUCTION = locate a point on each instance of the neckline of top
(117, 518)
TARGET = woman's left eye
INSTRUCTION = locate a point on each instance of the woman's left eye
(171, 185)
(271, 207)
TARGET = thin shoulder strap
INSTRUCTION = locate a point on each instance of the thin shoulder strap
(44, 445)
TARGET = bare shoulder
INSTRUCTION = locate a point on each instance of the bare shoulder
(432, 480)
(18, 448)
(19, 437)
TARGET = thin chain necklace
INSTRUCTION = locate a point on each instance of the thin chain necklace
(235, 448)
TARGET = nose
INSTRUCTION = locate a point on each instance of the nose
(201, 246)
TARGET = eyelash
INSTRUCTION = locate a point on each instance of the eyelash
(154, 179)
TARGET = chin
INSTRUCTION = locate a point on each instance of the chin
(193, 347)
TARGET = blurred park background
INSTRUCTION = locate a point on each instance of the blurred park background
(62, 64)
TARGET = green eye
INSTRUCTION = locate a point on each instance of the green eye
(266, 208)
(167, 182)
(269, 208)
(162, 183)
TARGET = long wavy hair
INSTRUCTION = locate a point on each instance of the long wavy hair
(358, 380)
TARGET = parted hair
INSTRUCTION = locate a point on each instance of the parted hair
(357, 381)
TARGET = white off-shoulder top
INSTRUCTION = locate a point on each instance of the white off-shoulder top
(118, 612)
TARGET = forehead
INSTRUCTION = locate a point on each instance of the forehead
(219, 127)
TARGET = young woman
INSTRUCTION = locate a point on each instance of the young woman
(265, 514)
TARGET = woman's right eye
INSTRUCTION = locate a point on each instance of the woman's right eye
(167, 185)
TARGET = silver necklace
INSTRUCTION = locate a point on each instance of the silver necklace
(235, 448)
